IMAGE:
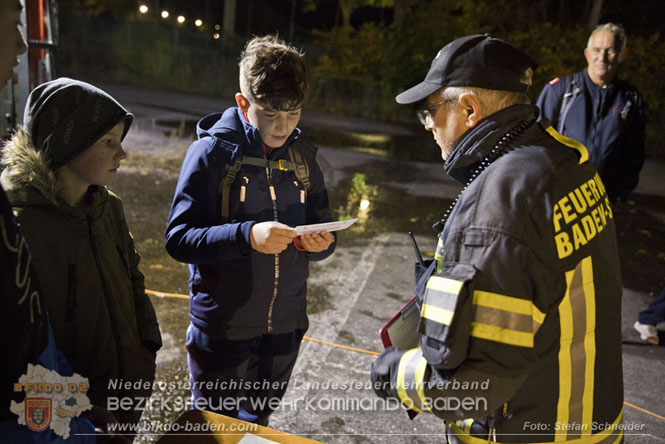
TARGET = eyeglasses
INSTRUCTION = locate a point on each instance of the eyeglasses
(426, 116)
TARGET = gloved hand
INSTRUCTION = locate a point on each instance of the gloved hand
(384, 373)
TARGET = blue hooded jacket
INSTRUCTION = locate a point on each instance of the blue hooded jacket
(235, 291)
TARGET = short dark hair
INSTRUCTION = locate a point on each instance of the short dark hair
(273, 72)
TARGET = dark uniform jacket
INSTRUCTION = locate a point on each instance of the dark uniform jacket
(235, 291)
(521, 323)
(87, 264)
(608, 121)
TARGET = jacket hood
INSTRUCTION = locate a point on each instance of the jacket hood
(232, 126)
(25, 166)
(29, 180)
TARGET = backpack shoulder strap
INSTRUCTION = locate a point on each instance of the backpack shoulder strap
(296, 163)
(300, 166)
(573, 85)
(225, 186)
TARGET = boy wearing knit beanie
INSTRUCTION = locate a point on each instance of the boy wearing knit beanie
(57, 167)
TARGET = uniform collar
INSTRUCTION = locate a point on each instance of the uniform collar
(477, 143)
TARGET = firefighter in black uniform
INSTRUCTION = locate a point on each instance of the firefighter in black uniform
(520, 312)
(601, 111)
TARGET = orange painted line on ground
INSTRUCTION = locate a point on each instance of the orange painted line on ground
(655, 415)
(345, 347)
(368, 352)
(161, 294)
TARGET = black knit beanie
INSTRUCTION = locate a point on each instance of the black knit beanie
(65, 117)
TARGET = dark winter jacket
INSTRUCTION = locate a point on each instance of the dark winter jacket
(609, 122)
(23, 326)
(26, 337)
(521, 324)
(237, 292)
(87, 264)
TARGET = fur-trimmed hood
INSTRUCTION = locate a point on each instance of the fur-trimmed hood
(25, 166)
(29, 180)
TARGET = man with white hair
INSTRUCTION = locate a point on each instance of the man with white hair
(601, 111)
(520, 312)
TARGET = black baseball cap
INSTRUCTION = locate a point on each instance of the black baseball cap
(475, 61)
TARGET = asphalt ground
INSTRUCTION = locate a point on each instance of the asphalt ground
(352, 293)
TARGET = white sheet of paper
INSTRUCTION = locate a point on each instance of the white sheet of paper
(329, 226)
(253, 439)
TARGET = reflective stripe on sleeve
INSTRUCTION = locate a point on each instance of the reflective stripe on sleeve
(465, 424)
(411, 380)
(505, 319)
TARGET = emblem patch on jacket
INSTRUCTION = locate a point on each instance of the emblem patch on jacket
(37, 413)
(51, 401)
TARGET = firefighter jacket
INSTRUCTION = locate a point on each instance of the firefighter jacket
(520, 322)
(87, 266)
(608, 121)
(235, 291)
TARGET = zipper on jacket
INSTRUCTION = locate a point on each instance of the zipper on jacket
(107, 297)
(275, 288)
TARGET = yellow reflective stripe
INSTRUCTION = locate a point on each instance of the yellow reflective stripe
(499, 334)
(465, 424)
(577, 350)
(565, 365)
(402, 375)
(508, 303)
(538, 318)
(589, 341)
(401, 372)
(584, 154)
(505, 319)
(440, 315)
(420, 383)
(612, 436)
(444, 285)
